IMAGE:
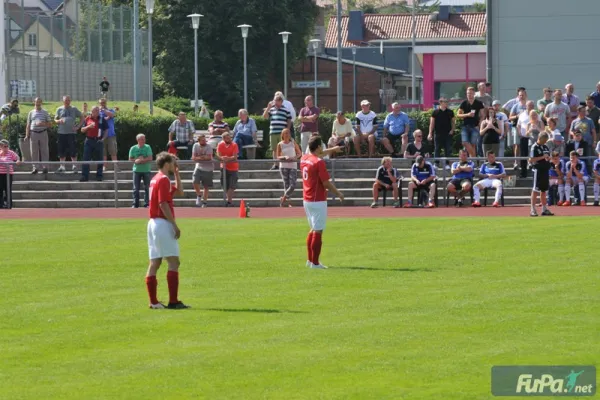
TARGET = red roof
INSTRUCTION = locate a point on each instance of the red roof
(399, 27)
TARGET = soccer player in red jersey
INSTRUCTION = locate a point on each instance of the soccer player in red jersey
(163, 231)
(316, 183)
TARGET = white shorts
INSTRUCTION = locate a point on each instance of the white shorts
(553, 181)
(161, 239)
(316, 213)
(489, 183)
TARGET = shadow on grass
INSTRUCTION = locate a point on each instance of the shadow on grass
(385, 269)
(256, 310)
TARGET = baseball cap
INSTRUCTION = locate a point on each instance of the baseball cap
(3, 142)
(558, 137)
(365, 103)
(496, 102)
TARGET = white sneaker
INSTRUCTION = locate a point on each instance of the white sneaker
(198, 202)
(60, 170)
(157, 306)
(74, 169)
(309, 264)
(318, 266)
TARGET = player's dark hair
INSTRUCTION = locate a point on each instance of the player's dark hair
(164, 158)
(487, 153)
(573, 153)
(314, 143)
(521, 89)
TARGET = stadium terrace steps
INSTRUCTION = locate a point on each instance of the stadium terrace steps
(257, 185)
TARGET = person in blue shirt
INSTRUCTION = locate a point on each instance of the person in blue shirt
(422, 177)
(110, 143)
(491, 173)
(576, 174)
(395, 128)
(557, 176)
(244, 132)
(596, 169)
(462, 178)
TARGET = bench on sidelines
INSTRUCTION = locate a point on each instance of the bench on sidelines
(250, 149)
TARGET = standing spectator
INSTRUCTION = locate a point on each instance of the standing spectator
(596, 169)
(557, 176)
(593, 113)
(110, 143)
(95, 130)
(544, 101)
(418, 148)
(462, 177)
(503, 120)
(395, 129)
(578, 145)
(386, 178)
(202, 153)
(244, 132)
(422, 177)
(290, 107)
(540, 161)
(366, 121)
(69, 120)
(571, 99)
(181, 133)
(491, 173)
(442, 124)
(136, 108)
(522, 125)
(104, 85)
(9, 109)
(141, 155)
(204, 113)
(343, 132)
(288, 152)
(280, 118)
(557, 142)
(217, 128)
(511, 103)
(559, 110)
(7, 156)
(576, 174)
(483, 96)
(471, 111)
(595, 95)
(228, 151)
(309, 118)
(36, 133)
(587, 128)
(85, 111)
(514, 112)
(534, 127)
(490, 130)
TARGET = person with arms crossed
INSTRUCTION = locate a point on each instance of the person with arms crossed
(492, 173)
(366, 121)
(141, 155)
(462, 178)
(442, 123)
(557, 176)
(386, 178)
(163, 231)
(316, 183)
(422, 177)
(202, 153)
(576, 174)
(539, 158)
(395, 128)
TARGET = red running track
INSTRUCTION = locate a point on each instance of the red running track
(295, 212)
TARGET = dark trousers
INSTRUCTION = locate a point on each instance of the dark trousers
(5, 189)
(241, 141)
(524, 152)
(93, 149)
(138, 177)
(188, 154)
(443, 142)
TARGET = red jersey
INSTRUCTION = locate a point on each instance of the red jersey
(161, 191)
(314, 173)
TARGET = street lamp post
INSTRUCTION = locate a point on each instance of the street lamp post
(354, 77)
(245, 36)
(315, 46)
(195, 24)
(285, 36)
(150, 11)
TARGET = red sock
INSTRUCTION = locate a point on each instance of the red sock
(151, 285)
(309, 245)
(316, 247)
(173, 282)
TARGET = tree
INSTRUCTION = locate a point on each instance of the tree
(220, 47)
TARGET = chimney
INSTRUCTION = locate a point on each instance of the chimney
(356, 26)
(444, 13)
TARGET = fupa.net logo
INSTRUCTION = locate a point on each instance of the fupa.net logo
(547, 384)
(539, 380)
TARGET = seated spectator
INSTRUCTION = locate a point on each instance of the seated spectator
(202, 153)
(577, 145)
(204, 113)
(288, 153)
(395, 129)
(141, 155)
(576, 174)
(227, 151)
(418, 148)
(491, 175)
(557, 142)
(557, 176)
(462, 178)
(244, 131)
(422, 177)
(217, 128)
(342, 133)
(181, 133)
(596, 170)
(386, 178)
(366, 122)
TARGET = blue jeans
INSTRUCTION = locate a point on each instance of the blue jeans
(469, 134)
(242, 140)
(93, 149)
(138, 177)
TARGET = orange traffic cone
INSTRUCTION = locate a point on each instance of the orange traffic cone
(242, 209)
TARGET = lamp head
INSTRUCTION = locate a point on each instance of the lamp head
(195, 20)
(150, 7)
(245, 30)
(315, 43)
(285, 36)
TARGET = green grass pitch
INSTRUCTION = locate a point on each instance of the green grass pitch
(409, 309)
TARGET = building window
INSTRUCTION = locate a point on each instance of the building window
(455, 92)
(32, 40)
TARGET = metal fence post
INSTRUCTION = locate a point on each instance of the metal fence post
(116, 184)
(8, 187)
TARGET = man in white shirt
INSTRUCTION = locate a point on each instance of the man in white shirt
(366, 123)
(522, 122)
(504, 126)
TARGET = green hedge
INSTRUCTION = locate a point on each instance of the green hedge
(156, 129)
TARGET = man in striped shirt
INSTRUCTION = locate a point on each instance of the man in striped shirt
(183, 130)
(280, 118)
(36, 134)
